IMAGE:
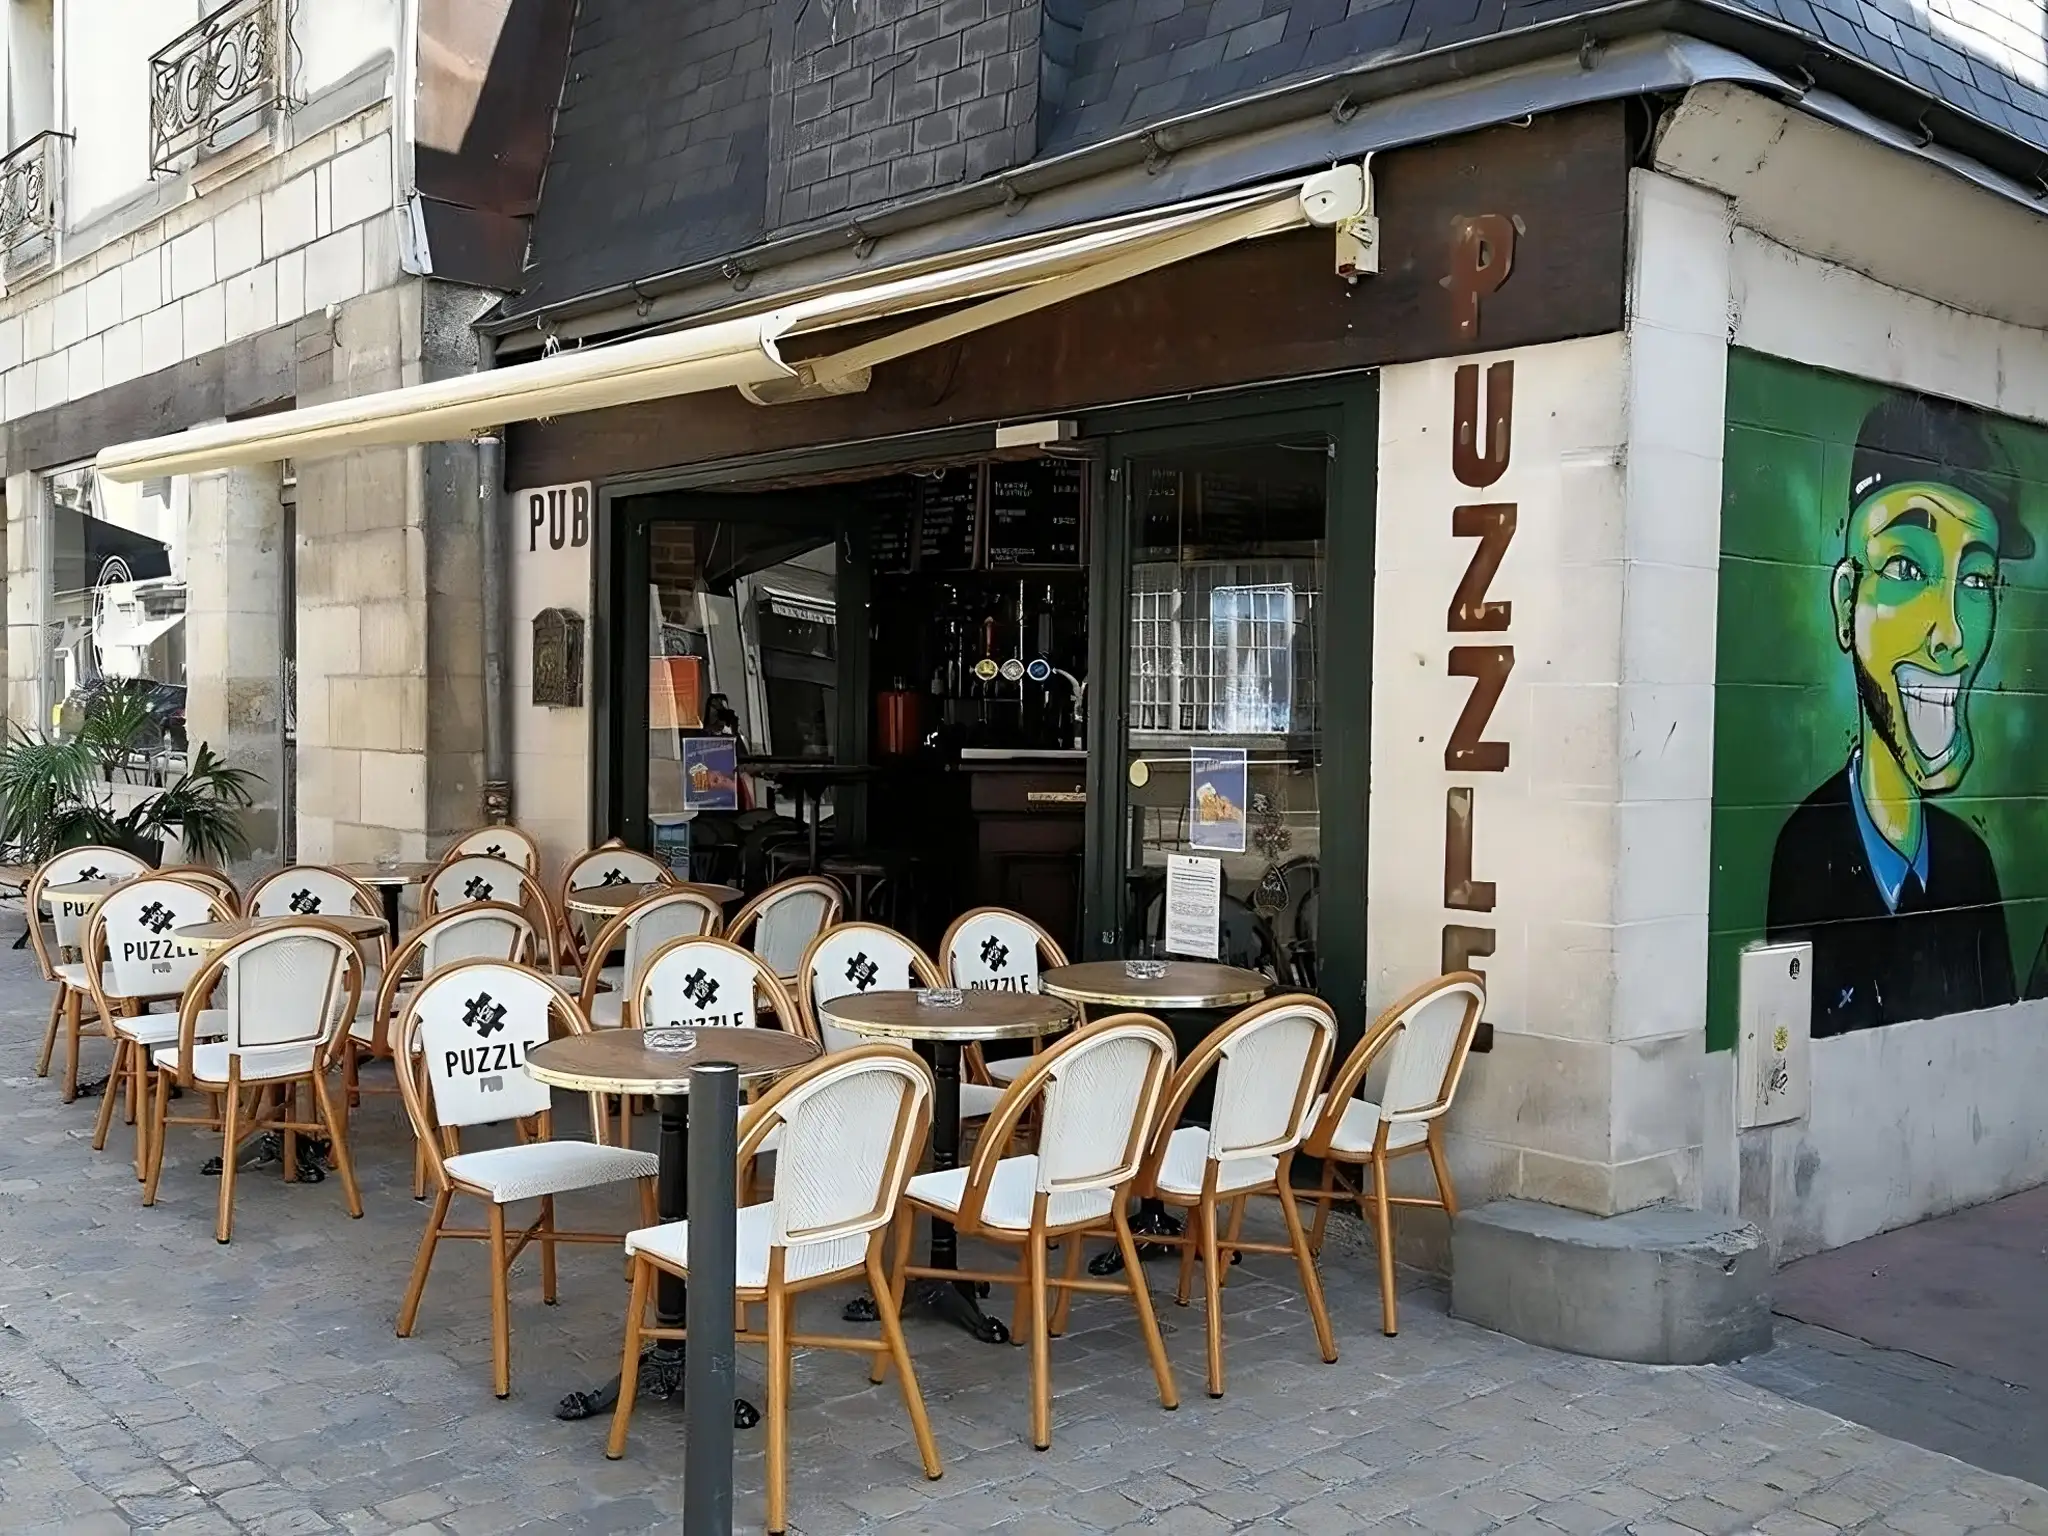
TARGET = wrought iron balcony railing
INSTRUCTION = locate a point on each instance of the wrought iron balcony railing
(224, 72)
(30, 185)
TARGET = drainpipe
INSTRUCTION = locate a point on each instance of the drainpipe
(490, 495)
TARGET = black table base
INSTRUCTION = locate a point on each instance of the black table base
(1152, 1220)
(662, 1368)
(662, 1363)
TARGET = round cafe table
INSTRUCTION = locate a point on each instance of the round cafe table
(390, 881)
(80, 896)
(1185, 987)
(614, 1061)
(942, 1032)
(608, 901)
(219, 935)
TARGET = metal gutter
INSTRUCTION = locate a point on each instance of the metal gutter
(1618, 51)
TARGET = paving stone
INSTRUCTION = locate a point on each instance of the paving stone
(152, 1380)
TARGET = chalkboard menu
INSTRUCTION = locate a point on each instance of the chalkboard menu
(947, 508)
(892, 523)
(1034, 513)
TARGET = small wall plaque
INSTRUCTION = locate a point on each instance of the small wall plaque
(558, 659)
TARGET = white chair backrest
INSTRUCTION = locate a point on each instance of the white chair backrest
(1101, 1095)
(282, 991)
(472, 1026)
(993, 951)
(856, 957)
(507, 843)
(72, 867)
(616, 866)
(1266, 1080)
(673, 915)
(1421, 1061)
(307, 890)
(849, 1131)
(136, 924)
(699, 984)
(475, 877)
(787, 918)
(480, 932)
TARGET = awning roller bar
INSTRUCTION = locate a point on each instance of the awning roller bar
(989, 288)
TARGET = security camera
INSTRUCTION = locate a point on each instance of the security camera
(1332, 197)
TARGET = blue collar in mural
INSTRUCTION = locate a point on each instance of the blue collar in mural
(1888, 866)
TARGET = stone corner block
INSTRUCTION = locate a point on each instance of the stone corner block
(1658, 1286)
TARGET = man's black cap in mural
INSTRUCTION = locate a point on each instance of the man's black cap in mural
(1911, 438)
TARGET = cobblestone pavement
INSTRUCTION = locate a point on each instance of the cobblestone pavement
(151, 1380)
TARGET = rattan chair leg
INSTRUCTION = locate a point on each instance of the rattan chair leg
(899, 1266)
(1190, 1248)
(1311, 1282)
(138, 1099)
(1230, 1241)
(501, 1309)
(1442, 1168)
(1020, 1300)
(50, 1032)
(73, 1006)
(409, 1309)
(899, 1352)
(159, 1133)
(104, 1121)
(1212, 1285)
(778, 1408)
(1072, 1244)
(1383, 1225)
(337, 1136)
(1141, 1298)
(230, 1131)
(629, 1365)
(1041, 1346)
(1325, 1198)
(547, 1249)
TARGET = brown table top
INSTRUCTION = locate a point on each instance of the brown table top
(81, 893)
(1187, 984)
(398, 874)
(614, 1060)
(724, 895)
(220, 935)
(16, 874)
(982, 1015)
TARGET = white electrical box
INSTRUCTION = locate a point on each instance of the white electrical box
(1773, 1050)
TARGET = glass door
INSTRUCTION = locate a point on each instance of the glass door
(1222, 750)
(1230, 692)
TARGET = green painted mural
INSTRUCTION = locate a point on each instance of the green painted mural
(1880, 742)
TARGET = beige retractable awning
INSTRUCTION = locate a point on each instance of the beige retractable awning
(976, 289)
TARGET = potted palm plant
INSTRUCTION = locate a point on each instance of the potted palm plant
(108, 781)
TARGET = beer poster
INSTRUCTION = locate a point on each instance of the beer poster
(1216, 800)
(711, 780)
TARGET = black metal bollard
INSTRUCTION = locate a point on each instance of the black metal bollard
(708, 1379)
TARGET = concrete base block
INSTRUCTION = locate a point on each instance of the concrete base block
(1661, 1286)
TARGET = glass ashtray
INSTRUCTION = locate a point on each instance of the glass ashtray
(1145, 969)
(669, 1041)
(940, 997)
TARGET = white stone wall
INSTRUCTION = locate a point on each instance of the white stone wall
(551, 748)
(314, 226)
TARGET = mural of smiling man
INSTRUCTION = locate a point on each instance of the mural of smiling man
(1899, 897)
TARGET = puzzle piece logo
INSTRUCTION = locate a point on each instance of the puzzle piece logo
(156, 917)
(484, 1014)
(700, 988)
(862, 971)
(304, 901)
(478, 888)
(615, 876)
(995, 954)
